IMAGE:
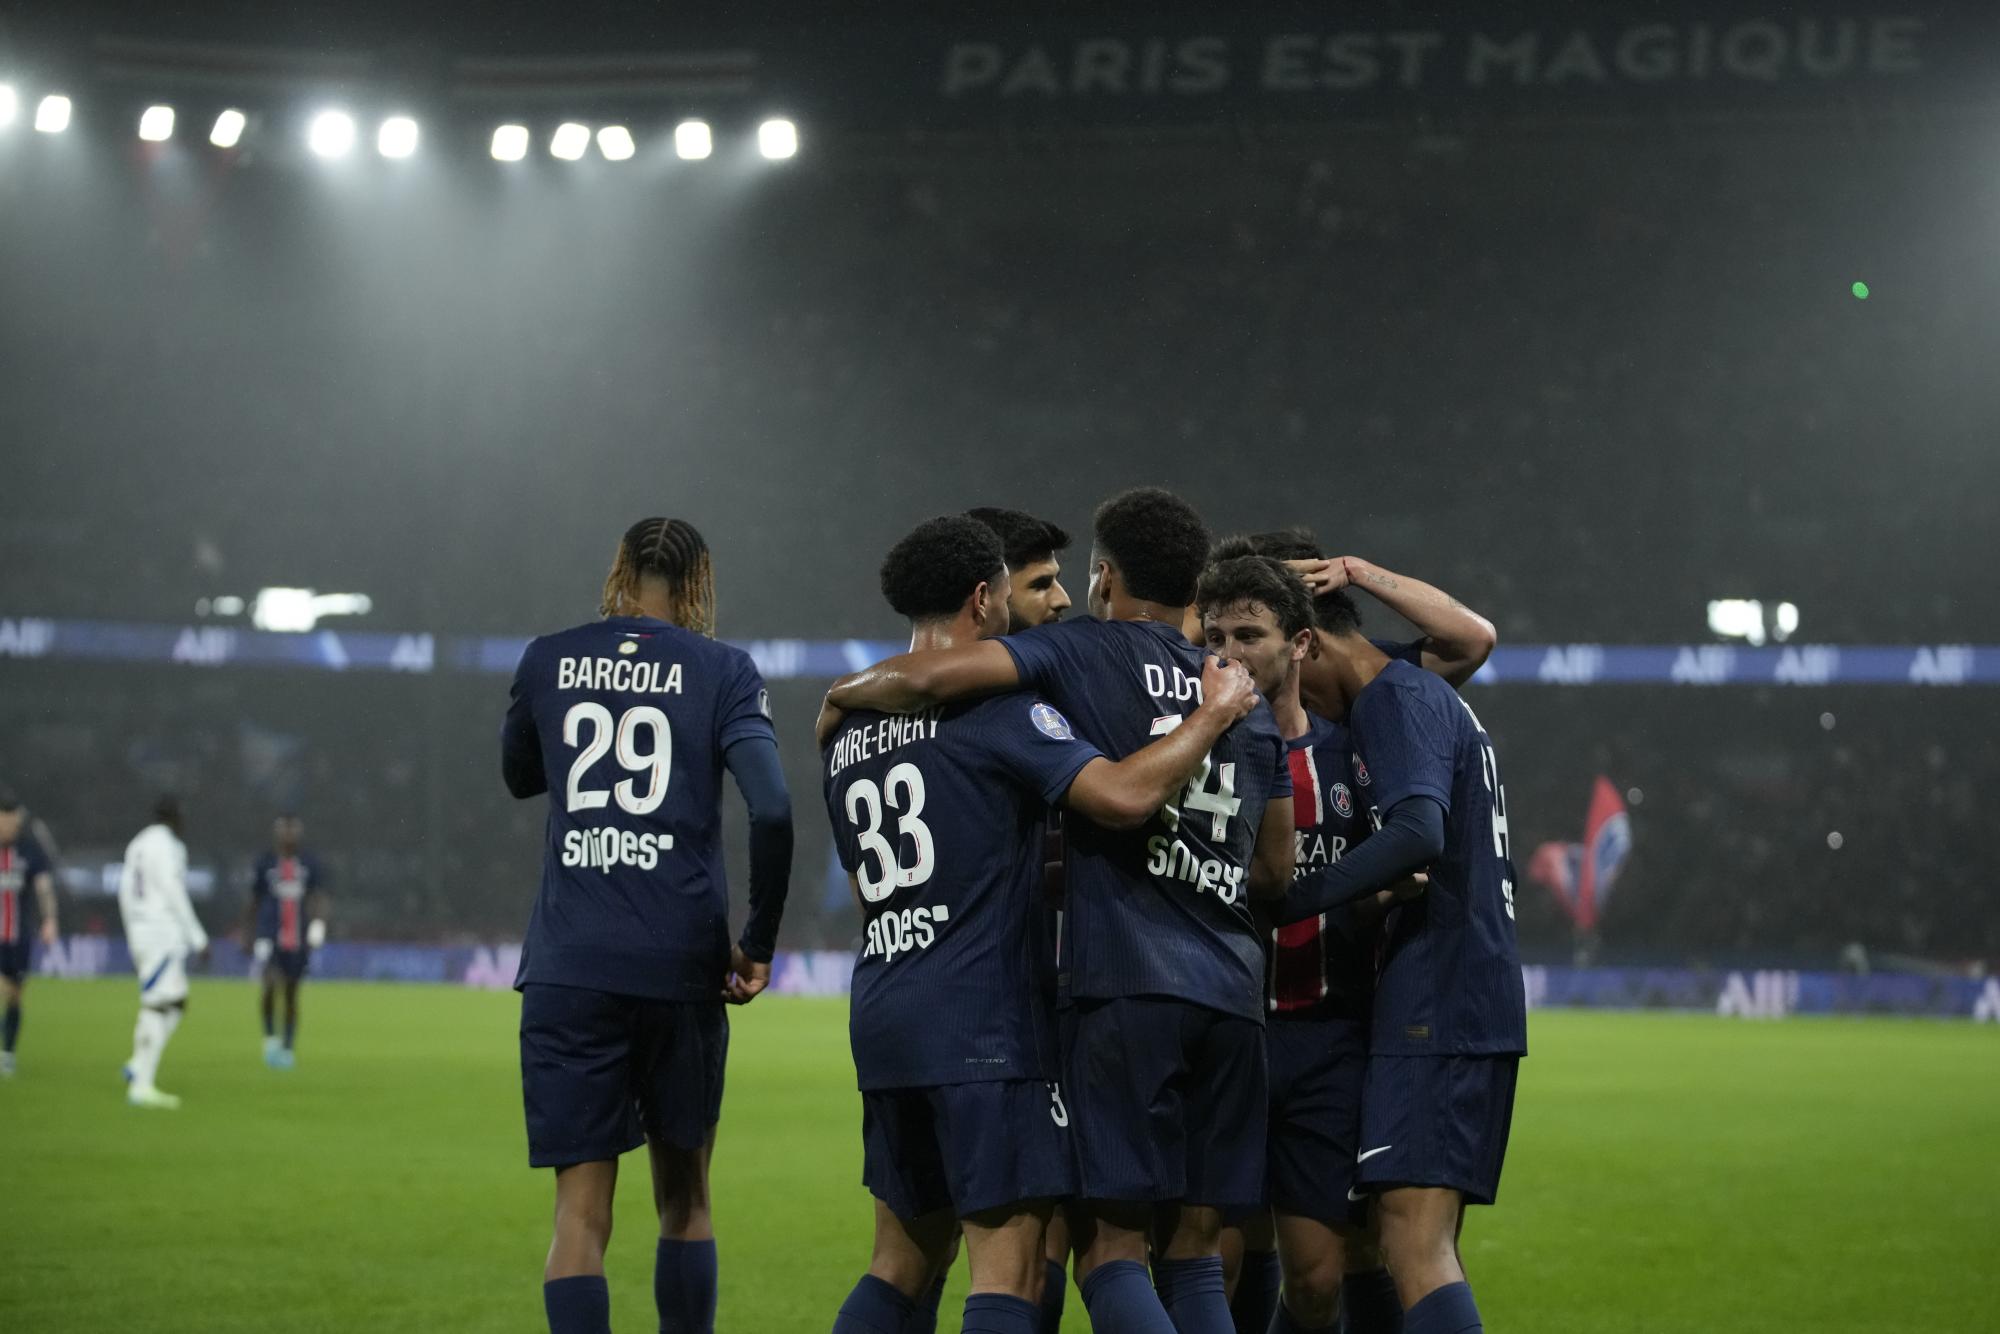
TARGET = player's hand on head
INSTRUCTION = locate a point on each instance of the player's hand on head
(1227, 686)
(747, 978)
(1320, 575)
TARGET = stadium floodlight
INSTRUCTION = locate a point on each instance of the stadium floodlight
(693, 140)
(10, 105)
(510, 143)
(296, 610)
(397, 137)
(228, 131)
(52, 114)
(615, 142)
(778, 139)
(331, 134)
(156, 126)
(1737, 618)
(570, 141)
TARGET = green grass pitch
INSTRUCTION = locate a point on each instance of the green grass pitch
(1668, 1173)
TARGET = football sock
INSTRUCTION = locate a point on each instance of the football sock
(270, 1010)
(291, 1027)
(1256, 1292)
(580, 1305)
(874, 1307)
(1369, 1305)
(10, 1028)
(147, 1040)
(1121, 1300)
(924, 1314)
(1284, 1322)
(998, 1313)
(170, 1019)
(1055, 1286)
(684, 1286)
(1449, 1310)
(1194, 1294)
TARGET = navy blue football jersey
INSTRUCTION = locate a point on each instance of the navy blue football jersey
(278, 887)
(623, 722)
(1451, 974)
(1325, 965)
(1163, 910)
(20, 863)
(940, 818)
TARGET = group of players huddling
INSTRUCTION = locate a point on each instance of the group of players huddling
(1187, 971)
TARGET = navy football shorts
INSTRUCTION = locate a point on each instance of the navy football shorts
(602, 1074)
(966, 1147)
(1437, 1121)
(1317, 1069)
(291, 964)
(1167, 1101)
(14, 959)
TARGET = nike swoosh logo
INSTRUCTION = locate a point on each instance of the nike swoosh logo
(1352, 1198)
(1372, 1152)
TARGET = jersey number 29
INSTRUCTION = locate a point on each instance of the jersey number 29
(653, 757)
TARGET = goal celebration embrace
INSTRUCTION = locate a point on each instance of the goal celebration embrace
(1187, 985)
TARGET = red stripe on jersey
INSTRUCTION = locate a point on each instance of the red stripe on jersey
(1298, 956)
(10, 925)
(288, 909)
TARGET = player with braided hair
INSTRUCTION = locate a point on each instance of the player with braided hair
(673, 557)
(627, 723)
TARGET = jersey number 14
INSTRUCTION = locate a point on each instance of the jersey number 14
(1219, 804)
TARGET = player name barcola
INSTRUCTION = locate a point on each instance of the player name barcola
(625, 675)
(864, 743)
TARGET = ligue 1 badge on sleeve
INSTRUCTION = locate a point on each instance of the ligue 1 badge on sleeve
(764, 702)
(1050, 723)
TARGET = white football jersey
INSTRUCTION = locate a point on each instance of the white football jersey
(153, 896)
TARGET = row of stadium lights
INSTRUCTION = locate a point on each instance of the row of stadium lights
(331, 134)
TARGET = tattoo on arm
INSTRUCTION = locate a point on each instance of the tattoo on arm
(1380, 580)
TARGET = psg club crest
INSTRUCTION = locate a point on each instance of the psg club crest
(1360, 771)
(1343, 802)
(1050, 723)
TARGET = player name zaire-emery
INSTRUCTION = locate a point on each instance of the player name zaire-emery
(626, 675)
(865, 743)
